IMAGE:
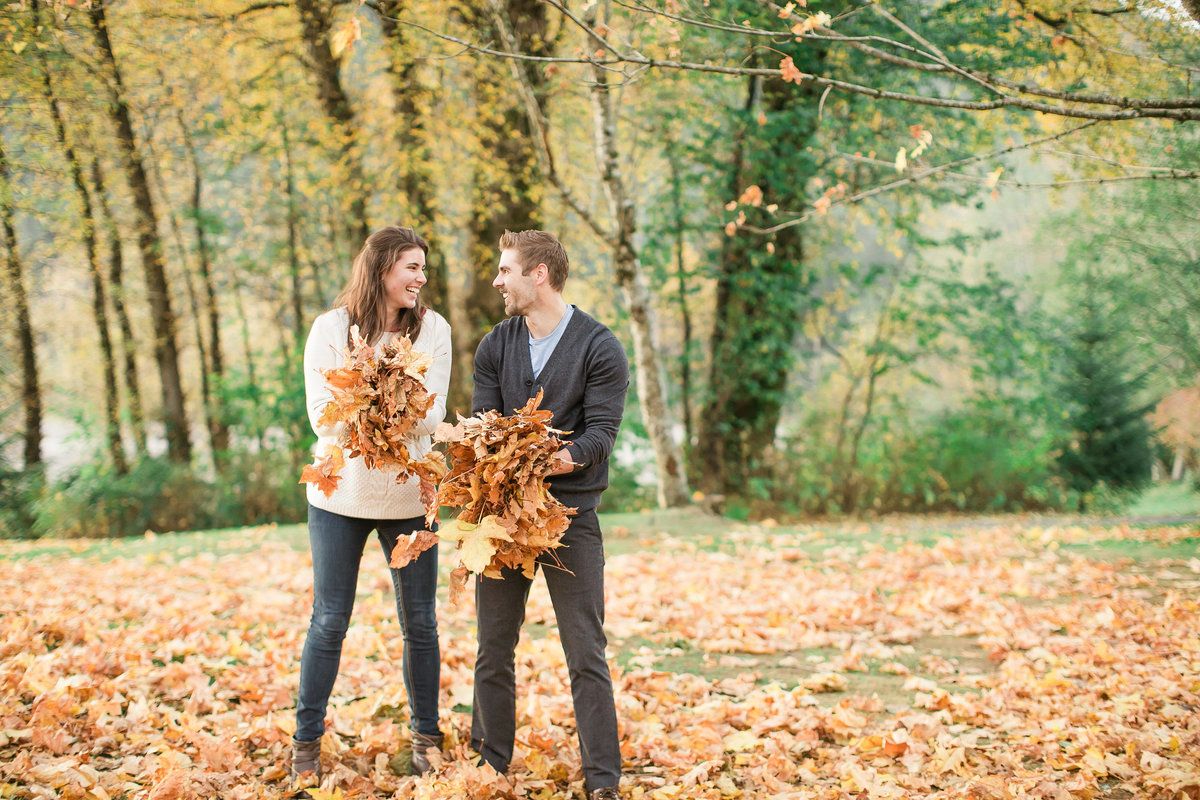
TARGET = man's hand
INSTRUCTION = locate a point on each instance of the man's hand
(563, 463)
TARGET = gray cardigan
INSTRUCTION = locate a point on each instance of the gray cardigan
(584, 380)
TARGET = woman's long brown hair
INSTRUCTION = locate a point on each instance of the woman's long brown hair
(363, 296)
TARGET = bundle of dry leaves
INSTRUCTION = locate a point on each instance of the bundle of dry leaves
(498, 469)
(380, 396)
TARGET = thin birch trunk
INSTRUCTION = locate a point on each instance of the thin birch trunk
(656, 416)
(685, 317)
(672, 489)
(198, 329)
(293, 236)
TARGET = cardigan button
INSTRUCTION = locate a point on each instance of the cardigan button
(528, 382)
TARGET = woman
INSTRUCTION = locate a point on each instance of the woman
(383, 299)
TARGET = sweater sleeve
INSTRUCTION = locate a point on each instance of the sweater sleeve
(606, 382)
(437, 379)
(487, 395)
(322, 350)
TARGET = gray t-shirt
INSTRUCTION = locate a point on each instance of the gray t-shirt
(540, 350)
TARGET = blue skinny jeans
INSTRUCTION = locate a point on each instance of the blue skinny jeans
(337, 547)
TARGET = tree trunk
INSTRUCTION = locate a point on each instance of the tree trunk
(218, 430)
(416, 182)
(672, 481)
(1192, 7)
(340, 254)
(685, 317)
(507, 192)
(296, 293)
(112, 426)
(315, 24)
(197, 316)
(876, 366)
(166, 350)
(116, 291)
(31, 393)
(248, 349)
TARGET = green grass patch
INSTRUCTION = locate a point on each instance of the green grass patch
(1182, 547)
(948, 661)
(1166, 500)
(224, 541)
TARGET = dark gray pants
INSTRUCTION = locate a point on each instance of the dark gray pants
(579, 611)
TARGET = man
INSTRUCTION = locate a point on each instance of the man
(581, 367)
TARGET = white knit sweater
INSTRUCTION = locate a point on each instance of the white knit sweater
(362, 492)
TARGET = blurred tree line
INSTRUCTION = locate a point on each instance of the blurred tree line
(865, 259)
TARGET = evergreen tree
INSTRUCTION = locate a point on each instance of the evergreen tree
(1111, 440)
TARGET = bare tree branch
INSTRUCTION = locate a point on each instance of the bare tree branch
(919, 176)
(593, 34)
(935, 62)
(541, 136)
(1058, 23)
(1174, 176)
(1129, 108)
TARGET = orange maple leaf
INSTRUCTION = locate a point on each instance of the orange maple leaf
(409, 547)
(788, 71)
(323, 472)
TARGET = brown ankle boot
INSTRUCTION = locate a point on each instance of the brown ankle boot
(422, 746)
(306, 757)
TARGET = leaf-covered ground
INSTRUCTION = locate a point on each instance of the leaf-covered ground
(994, 660)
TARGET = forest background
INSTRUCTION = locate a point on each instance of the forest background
(865, 257)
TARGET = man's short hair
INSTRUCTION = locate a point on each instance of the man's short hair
(538, 247)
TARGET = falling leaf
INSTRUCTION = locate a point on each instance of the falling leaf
(409, 547)
(458, 584)
(901, 160)
(324, 471)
